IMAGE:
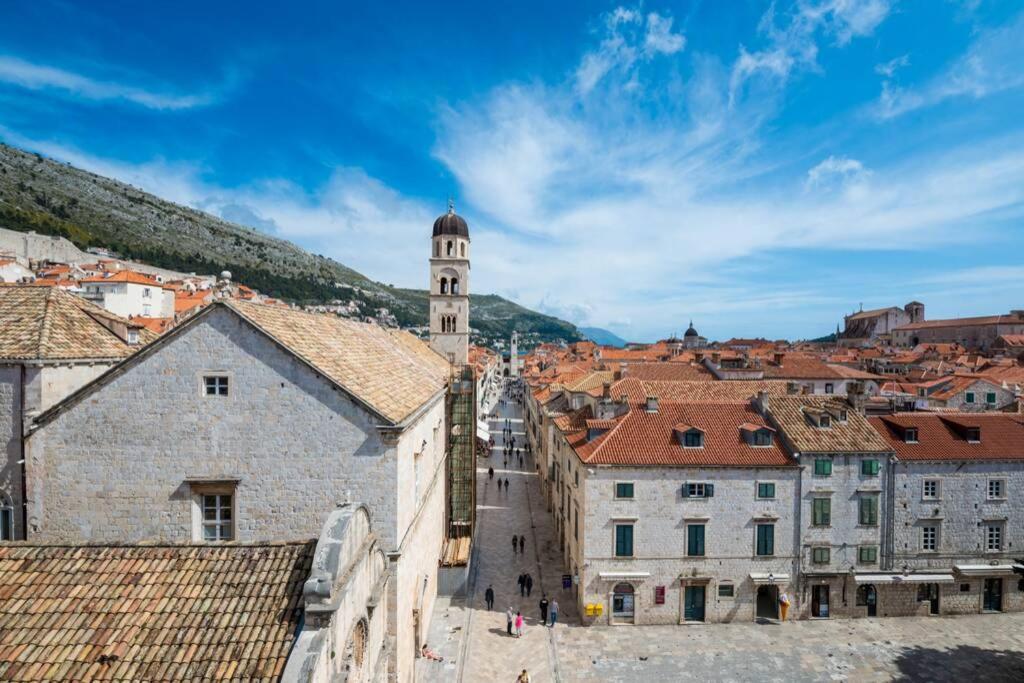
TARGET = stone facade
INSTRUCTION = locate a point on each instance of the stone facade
(974, 334)
(126, 462)
(660, 565)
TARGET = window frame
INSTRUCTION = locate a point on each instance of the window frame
(823, 464)
(863, 506)
(933, 541)
(1001, 485)
(870, 467)
(200, 491)
(616, 541)
(830, 388)
(699, 436)
(910, 435)
(618, 495)
(938, 489)
(867, 549)
(706, 489)
(999, 537)
(769, 539)
(6, 526)
(821, 554)
(691, 537)
(969, 397)
(760, 496)
(762, 438)
(729, 590)
(995, 398)
(821, 502)
(205, 385)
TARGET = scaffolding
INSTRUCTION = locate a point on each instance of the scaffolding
(460, 510)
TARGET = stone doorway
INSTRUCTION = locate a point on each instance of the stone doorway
(767, 602)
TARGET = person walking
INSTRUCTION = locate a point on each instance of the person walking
(514, 544)
(543, 609)
(509, 619)
(529, 584)
(499, 484)
(490, 473)
(506, 486)
(489, 597)
(522, 584)
(554, 612)
(519, 624)
(523, 677)
(522, 544)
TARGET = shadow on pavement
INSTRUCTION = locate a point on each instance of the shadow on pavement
(961, 663)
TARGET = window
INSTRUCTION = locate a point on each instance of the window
(577, 475)
(762, 437)
(448, 249)
(820, 555)
(444, 285)
(698, 490)
(869, 467)
(973, 434)
(765, 539)
(6, 521)
(869, 510)
(929, 538)
(693, 439)
(930, 489)
(990, 398)
(622, 489)
(867, 554)
(994, 537)
(695, 540)
(576, 525)
(146, 293)
(623, 540)
(725, 590)
(823, 467)
(969, 397)
(995, 489)
(765, 489)
(910, 435)
(455, 286)
(829, 388)
(215, 385)
(825, 421)
(965, 588)
(822, 511)
(217, 517)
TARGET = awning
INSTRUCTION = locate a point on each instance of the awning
(759, 577)
(986, 569)
(904, 578)
(623, 575)
(483, 430)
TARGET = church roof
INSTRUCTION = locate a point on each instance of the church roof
(451, 223)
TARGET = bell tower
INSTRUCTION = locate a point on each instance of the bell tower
(449, 287)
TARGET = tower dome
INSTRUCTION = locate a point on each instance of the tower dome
(451, 223)
(690, 332)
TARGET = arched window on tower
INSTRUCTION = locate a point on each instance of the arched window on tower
(455, 285)
(450, 248)
(444, 285)
(463, 248)
(437, 248)
(451, 324)
(6, 519)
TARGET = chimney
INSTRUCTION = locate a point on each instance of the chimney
(762, 402)
(716, 358)
(652, 404)
(792, 388)
(698, 356)
(856, 396)
(606, 390)
(623, 370)
(779, 357)
(624, 399)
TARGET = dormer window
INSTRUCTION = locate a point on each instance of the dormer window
(824, 421)
(910, 435)
(689, 437)
(133, 337)
(762, 437)
(973, 434)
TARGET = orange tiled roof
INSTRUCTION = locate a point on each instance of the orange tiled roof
(669, 371)
(942, 437)
(135, 613)
(740, 390)
(790, 414)
(156, 325)
(129, 276)
(961, 322)
(643, 438)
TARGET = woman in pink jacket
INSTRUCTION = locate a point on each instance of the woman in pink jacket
(519, 624)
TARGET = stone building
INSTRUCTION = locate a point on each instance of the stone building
(449, 287)
(247, 423)
(974, 334)
(840, 496)
(958, 521)
(865, 327)
(51, 343)
(130, 294)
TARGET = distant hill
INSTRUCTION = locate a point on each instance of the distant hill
(602, 337)
(48, 197)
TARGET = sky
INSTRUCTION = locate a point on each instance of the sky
(758, 168)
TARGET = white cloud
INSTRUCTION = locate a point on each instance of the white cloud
(889, 68)
(43, 77)
(842, 170)
(629, 37)
(992, 64)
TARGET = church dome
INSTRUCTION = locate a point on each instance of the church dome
(690, 332)
(451, 223)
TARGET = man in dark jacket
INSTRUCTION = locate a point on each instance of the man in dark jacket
(543, 609)
(489, 599)
(529, 584)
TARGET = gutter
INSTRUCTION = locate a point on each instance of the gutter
(24, 464)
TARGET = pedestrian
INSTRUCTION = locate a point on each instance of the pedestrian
(513, 544)
(554, 612)
(519, 624)
(506, 486)
(522, 584)
(499, 484)
(520, 462)
(509, 618)
(490, 473)
(523, 677)
(522, 543)
(543, 609)
(529, 584)
(506, 460)
(489, 597)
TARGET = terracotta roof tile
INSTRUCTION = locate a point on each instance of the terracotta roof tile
(132, 613)
(791, 415)
(943, 437)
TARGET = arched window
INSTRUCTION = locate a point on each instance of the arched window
(437, 248)
(6, 519)
(450, 248)
(451, 324)
(444, 285)
(463, 247)
(455, 285)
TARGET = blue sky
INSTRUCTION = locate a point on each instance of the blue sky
(761, 168)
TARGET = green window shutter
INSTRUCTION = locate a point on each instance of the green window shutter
(823, 467)
(869, 467)
(766, 490)
(969, 397)
(709, 490)
(624, 540)
(686, 490)
(990, 397)
(765, 539)
(869, 510)
(868, 554)
(695, 540)
(822, 511)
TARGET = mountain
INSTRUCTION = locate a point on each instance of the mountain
(40, 194)
(602, 337)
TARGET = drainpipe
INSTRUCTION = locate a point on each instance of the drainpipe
(888, 529)
(798, 533)
(21, 449)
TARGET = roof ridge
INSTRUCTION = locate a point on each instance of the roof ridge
(46, 320)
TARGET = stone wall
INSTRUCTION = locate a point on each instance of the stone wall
(10, 439)
(115, 466)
